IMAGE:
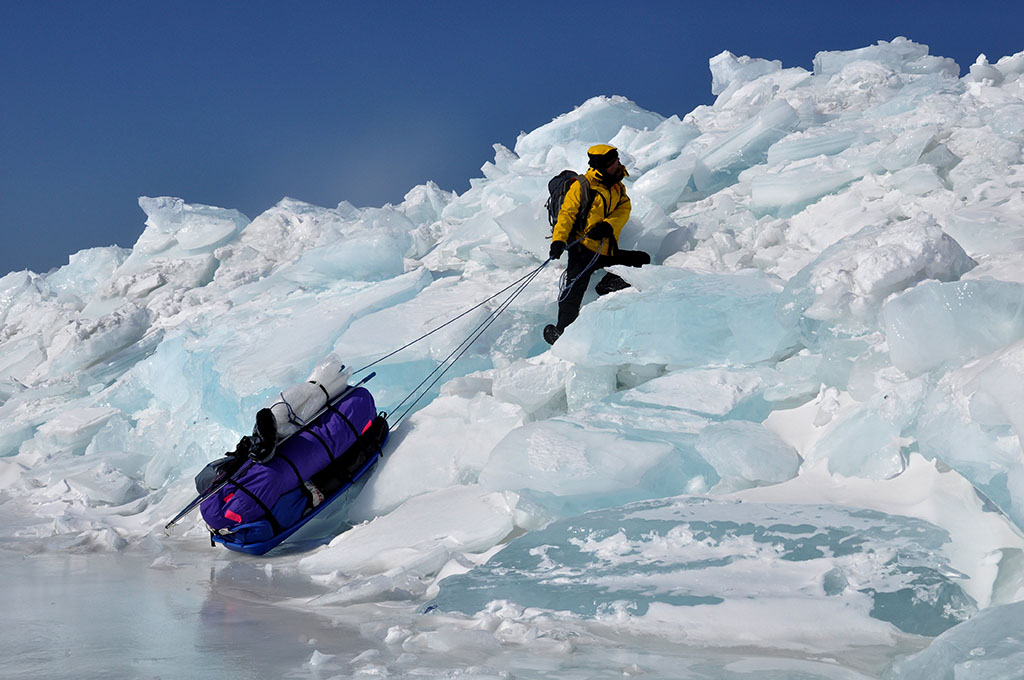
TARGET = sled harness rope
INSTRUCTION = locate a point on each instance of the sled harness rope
(421, 390)
(563, 286)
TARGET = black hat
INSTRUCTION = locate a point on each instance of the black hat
(602, 155)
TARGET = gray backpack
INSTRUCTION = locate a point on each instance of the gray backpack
(558, 186)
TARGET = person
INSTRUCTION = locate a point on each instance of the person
(592, 240)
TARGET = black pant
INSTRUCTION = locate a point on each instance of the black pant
(577, 277)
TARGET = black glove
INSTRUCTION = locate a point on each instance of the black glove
(600, 231)
(242, 448)
(557, 248)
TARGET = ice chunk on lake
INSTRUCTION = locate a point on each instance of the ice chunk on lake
(896, 54)
(85, 342)
(729, 71)
(1011, 66)
(567, 458)
(983, 72)
(872, 439)
(668, 183)
(105, 484)
(588, 384)
(174, 227)
(17, 289)
(291, 227)
(990, 225)
(815, 142)
(707, 391)
(746, 454)
(917, 180)
(595, 121)
(423, 204)
(864, 203)
(995, 386)
(957, 321)
(606, 454)
(11, 472)
(445, 444)
(424, 307)
(726, 393)
(27, 409)
(152, 283)
(989, 646)
(744, 147)
(651, 148)
(1008, 120)
(655, 232)
(906, 149)
(680, 559)
(845, 286)
(520, 225)
(973, 422)
(365, 255)
(20, 356)
(258, 350)
(72, 429)
(419, 537)
(463, 240)
(535, 384)
(682, 318)
(786, 193)
(86, 272)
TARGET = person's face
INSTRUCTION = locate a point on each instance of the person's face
(613, 169)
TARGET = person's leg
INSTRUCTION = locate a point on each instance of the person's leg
(632, 258)
(577, 276)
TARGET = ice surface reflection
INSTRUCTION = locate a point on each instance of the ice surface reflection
(116, 616)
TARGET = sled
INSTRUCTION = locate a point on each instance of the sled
(252, 538)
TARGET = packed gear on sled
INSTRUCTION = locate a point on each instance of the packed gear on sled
(332, 436)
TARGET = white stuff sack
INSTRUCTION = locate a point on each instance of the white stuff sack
(299, 403)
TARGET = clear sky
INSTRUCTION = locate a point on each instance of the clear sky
(239, 103)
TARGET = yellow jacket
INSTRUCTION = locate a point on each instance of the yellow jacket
(609, 205)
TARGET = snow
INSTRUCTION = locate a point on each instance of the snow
(791, 449)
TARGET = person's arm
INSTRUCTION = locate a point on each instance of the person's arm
(567, 214)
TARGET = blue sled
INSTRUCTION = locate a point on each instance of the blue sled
(258, 538)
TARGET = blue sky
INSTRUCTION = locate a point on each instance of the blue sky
(238, 104)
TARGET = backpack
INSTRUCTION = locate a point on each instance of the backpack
(558, 186)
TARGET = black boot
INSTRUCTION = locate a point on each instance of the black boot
(610, 283)
(264, 436)
(551, 333)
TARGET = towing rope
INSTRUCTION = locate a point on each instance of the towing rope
(564, 288)
(424, 387)
(450, 321)
(442, 368)
(418, 392)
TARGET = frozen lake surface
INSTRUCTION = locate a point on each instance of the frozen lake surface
(115, 616)
(120, 617)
